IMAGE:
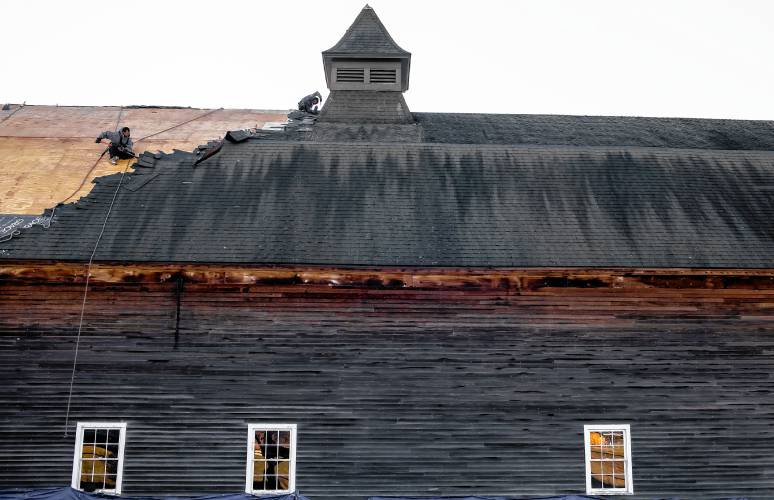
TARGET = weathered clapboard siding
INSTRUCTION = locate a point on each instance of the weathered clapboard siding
(395, 392)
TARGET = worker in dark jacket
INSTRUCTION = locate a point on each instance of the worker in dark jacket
(309, 103)
(119, 145)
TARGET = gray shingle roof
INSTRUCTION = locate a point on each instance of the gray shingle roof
(597, 131)
(416, 202)
(365, 106)
(464, 128)
(367, 35)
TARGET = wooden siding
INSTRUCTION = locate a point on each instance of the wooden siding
(436, 390)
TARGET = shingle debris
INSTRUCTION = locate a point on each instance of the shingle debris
(146, 160)
(207, 151)
(236, 136)
(300, 121)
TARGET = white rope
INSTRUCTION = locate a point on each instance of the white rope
(88, 277)
(85, 293)
(94, 252)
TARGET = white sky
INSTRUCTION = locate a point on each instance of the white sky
(690, 58)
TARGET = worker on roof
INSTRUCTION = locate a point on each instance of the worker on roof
(309, 103)
(119, 145)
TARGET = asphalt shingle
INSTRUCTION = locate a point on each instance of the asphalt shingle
(428, 204)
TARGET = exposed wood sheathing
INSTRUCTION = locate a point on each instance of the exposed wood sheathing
(46, 152)
(459, 386)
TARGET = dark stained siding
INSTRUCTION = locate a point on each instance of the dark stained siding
(395, 392)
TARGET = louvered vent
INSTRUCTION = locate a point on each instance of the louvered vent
(350, 75)
(383, 76)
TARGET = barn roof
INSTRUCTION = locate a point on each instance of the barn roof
(558, 130)
(448, 190)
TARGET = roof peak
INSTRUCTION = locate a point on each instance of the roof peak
(367, 36)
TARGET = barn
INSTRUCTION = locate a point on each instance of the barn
(372, 302)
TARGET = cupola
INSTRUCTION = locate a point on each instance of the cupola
(367, 73)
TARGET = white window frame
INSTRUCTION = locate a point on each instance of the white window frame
(77, 454)
(587, 430)
(251, 428)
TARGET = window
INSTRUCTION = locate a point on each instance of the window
(98, 461)
(608, 459)
(271, 458)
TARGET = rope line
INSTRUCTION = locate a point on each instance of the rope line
(94, 252)
(180, 124)
(88, 268)
(86, 291)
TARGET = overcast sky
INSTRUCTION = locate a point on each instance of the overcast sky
(690, 58)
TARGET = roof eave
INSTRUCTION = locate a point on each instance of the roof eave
(367, 55)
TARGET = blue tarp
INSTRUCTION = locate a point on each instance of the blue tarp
(560, 497)
(68, 493)
(565, 497)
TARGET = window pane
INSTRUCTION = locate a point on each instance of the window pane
(89, 435)
(102, 435)
(284, 439)
(270, 449)
(259, 472)
(114, 436)
(271, 482)
(271, 467)
(283, 473)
